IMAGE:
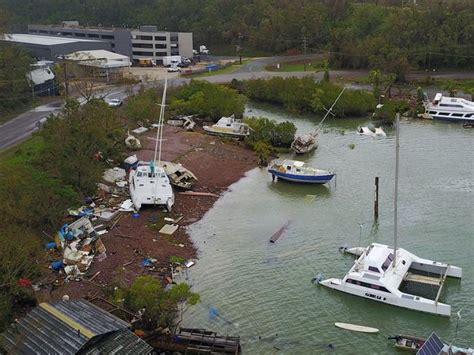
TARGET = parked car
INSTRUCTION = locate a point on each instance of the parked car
(173, 69)
(114, 103)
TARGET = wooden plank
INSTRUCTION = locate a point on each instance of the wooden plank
(279, 232)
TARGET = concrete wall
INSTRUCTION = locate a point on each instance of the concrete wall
(185, 41)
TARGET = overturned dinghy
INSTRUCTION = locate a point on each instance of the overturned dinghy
(376, 132)
(179, 176)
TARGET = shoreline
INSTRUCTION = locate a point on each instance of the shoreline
(217, 163)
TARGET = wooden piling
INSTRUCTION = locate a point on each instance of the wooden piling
(376, 199)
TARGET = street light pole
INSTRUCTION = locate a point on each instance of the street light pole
(240, 48)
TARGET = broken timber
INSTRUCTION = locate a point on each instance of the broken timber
(196, 193)
(279, 232)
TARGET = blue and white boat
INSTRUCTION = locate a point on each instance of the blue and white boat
(297, 171)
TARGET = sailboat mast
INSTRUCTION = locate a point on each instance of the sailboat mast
(159, 131)
(330, 110)
(395, 200)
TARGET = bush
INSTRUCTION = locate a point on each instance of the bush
(269, 131)
(206, 99)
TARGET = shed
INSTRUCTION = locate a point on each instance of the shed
(71, 327)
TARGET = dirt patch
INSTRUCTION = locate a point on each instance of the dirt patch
(216, 162)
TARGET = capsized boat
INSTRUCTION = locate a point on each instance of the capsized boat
(297, 171)
(309, 141)
(305, 143)
(450, 108)
(229, 126)
(179, 176)
(376, 132)
(149, 185)
(407, 342)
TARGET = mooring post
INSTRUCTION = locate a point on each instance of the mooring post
(376, 199)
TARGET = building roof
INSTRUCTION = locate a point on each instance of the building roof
(97, 54)
(42, 40)
(65, 327)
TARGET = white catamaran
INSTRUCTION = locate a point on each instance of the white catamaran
(396, 276)
(148, 182)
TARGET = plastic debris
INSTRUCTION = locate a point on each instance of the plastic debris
(168, 229)
(113, 175)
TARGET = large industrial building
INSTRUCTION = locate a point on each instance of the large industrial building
(145, 42)
(50, 48)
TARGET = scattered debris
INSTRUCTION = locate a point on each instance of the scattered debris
(133, 142)
(114, 175)
(169, 229)
(140, 130)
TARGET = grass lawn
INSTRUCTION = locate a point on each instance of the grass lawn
(296, 67)
(22, 153)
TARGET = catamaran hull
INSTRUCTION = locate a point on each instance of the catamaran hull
(314, 179)
(407, 301)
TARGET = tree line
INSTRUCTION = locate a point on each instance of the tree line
(385, 34)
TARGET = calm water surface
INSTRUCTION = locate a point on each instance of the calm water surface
(264, 290)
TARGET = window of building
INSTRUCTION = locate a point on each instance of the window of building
(93, 35)
(43, 31)
(149, 54)
(161, 54)
(33, 31)
(174, 52)
(145, 38)
(160, 45)
(78, 34)
(66, 33)
(108, 37)
(142, 45)
(174, 39)
(160, 38)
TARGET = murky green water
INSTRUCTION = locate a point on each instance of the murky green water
(263, 289)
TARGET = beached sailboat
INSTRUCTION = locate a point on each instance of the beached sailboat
(307, 142)
(148, 182)
(394, 275)
(297, 171)
(230, 127)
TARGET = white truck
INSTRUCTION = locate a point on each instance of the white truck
(172, 60)
(203, 49)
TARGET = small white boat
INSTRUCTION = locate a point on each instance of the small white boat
(366, 131)
(356, 328)
(450, 108)
(229, 126)
(408, 342)
(297, 171)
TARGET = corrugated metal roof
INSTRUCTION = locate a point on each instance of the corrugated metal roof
(119, 342)
(42, 40)
(63, 327)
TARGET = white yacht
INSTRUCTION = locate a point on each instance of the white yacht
(148, 182)
(450, 109)
(229, 126)
(375, 276)
(394, 275)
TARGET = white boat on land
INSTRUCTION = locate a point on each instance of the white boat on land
(229, 126)
(179, 176)
(148, 182)
(309, 141)
(376, 132)
(450, 109)
(356, 328)
(297, 171)
(395, 276)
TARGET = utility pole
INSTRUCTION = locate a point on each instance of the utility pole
(66, 84)
(305, 47)
(240, 48)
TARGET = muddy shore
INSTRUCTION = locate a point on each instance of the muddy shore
(216, 162)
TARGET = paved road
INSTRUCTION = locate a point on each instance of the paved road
(25, 124)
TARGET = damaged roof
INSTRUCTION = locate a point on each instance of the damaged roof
(66, 327)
